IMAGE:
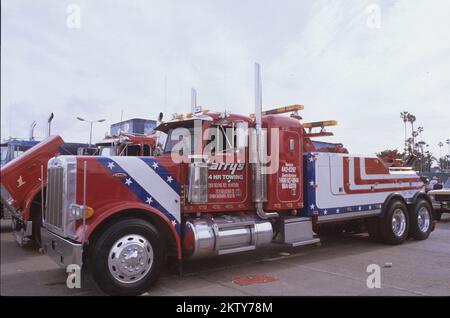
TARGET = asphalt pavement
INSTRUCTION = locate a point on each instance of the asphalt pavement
(337, 267)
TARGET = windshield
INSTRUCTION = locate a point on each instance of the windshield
(161, 139)
(18, 150)
(4, 155)
(177, 135)
(106, 151)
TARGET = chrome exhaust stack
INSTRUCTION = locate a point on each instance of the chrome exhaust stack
(260, 180)
(194, 107)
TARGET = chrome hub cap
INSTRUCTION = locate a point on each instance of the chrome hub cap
(423, 219)
(130, 258)
(398, 222)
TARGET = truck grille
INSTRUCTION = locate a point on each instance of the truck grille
(442, 197)
(54, 202)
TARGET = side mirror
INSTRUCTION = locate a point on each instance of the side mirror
(160, 117)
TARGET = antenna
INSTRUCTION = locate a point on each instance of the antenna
(193, 100)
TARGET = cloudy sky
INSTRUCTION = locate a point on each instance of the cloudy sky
(358, 62)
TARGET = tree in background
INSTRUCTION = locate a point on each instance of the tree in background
(440, 145)
(429, 159)
(404, 116)
(412, 119)
(418, 150)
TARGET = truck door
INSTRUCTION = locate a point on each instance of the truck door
(227, 178)
(287, 182)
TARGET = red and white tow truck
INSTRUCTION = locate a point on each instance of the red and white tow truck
(224, 183)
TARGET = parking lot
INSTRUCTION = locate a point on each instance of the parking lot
(337, 267)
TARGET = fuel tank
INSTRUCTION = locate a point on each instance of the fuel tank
(224, 235)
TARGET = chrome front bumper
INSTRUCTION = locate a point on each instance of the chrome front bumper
(62, 251)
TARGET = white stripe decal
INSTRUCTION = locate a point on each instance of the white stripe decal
(391, 175)
(393, 184)
(151, 182)
(329, 179)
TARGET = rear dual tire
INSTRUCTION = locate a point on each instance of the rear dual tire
(398, 223)
(394, 226)
(421, 220)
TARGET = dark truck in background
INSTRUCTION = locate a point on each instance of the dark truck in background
(440, 197)
(13, 148)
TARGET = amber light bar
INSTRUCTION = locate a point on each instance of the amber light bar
(284, 109)
(315, 124)
(281, 110)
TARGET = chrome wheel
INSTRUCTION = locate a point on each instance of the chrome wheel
(130, 258)
(423, 219)
(398, 222)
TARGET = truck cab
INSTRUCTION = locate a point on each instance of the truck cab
(126, 144)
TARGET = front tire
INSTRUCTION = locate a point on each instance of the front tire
(421, 220)
(126, 259)
(394, 225)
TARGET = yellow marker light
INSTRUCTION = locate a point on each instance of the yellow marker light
(205, 111)
(189, 115)
(88, 212)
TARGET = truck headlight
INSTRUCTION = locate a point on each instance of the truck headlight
(77, 211)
